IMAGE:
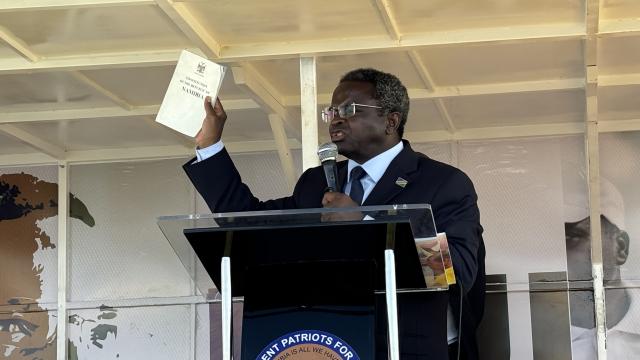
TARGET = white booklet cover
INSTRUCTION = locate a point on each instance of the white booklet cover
(194, 78)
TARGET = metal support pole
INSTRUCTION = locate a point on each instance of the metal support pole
(63, 221)
(309, 112)
(392, 304)
(225, 284)
(593, 168)
(284, 152)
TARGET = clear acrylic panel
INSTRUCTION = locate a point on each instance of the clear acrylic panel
(419, 217)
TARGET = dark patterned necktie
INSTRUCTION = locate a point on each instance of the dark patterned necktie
(357, 191)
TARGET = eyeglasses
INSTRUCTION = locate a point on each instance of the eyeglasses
(344, 111)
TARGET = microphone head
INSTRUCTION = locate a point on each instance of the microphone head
(327, 151)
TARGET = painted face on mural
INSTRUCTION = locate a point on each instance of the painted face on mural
(25, 203)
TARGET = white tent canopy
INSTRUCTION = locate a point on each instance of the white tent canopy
(81, 80)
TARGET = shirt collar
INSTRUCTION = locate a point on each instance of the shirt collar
(377, 165)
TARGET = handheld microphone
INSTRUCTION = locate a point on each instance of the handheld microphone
(328, 152)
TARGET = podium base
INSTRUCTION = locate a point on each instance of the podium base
(324, 306)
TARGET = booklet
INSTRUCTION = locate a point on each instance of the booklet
(193, 79)
(435, 259)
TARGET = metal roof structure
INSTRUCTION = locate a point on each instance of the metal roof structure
(82, 80)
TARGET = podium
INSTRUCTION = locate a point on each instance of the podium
(312, 279)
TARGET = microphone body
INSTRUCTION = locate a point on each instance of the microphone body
(328, 153)
(331, 173)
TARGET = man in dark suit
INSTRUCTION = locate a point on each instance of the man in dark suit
(367, 116)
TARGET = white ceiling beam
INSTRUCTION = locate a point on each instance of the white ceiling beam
(52, 111)
(618, 125)
(92, 61)
(247, 78)
(26, 159)
(502, 88)
(191, 27)
(18, 45)
(421, 68)
(138, 153)
(590, 52)
(178, 151)
(101, 89)
(445, 116)
(538, 32)
(166, 152)
(592, 16)
(180, 138)
(284, 152)
(235, 53)
(34, 141)
(130, 154)
(386, 15)
(290, 49)
(429, 85)
(239, 147)
(591, 72)
(473, 90)
(630, 79)
(619, 27)
(270, 50)
(48, 112)
(619, 80)
(16, 5)
(498, 132)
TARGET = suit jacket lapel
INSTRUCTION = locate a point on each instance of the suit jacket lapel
(403, 166)
(342, 175)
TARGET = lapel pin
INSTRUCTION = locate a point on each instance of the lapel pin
(401, 182)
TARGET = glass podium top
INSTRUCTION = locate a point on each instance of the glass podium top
(200, 240)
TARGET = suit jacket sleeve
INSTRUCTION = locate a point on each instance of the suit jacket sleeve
(456, 213)
(221, 186)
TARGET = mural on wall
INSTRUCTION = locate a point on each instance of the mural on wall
(620, 165)
(27, 330)
(534, 206)
(623, 333)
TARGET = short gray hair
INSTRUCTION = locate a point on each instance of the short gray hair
(390, 93)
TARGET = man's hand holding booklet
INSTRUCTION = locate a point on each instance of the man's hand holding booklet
(193, 79)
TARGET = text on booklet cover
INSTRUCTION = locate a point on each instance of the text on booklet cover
(193, 79)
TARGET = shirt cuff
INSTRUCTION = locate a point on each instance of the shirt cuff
(209, 151)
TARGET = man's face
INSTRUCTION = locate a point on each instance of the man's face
(578, 249)
(614, 249)
(365, 134)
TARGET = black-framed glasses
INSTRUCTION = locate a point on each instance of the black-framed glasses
(344, 111)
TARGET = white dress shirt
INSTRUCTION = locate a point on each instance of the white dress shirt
(209, 151)
(375, 168)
